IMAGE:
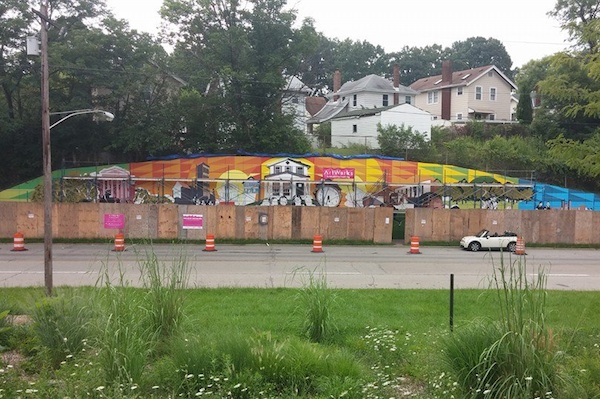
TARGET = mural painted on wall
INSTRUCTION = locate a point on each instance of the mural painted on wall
(302, 180)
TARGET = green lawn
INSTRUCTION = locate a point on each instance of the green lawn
(231, 328)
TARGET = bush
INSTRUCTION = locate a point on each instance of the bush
(516, 356)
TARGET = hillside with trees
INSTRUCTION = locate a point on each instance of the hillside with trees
(219, 89)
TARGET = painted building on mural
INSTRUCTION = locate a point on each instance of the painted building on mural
(303, 180)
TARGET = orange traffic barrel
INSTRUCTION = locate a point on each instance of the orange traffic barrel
(210, 243)
(119, 242)
(414, 245)
(317, 243)
(520, 250)
(19, 242)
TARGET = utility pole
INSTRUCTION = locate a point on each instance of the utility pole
(47, 159)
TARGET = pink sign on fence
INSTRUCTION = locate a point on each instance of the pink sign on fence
(114, 221)
(192, 221)
(338, 173)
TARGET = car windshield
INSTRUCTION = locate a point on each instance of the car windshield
(482, 233)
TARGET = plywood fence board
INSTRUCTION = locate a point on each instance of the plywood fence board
(382, 232)
(282, 222)
(167, 221)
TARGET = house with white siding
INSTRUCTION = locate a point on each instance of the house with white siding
(355, 108)
(360, 127)
(482, 93)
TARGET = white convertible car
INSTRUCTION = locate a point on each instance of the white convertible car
(486, 240)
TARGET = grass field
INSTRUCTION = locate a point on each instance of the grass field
(167, 341)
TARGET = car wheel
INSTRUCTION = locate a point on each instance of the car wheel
(474, 246)
(512, 246)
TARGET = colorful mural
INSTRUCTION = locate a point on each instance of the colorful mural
(302, 180)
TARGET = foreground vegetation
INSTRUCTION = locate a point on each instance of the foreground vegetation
(514, 340)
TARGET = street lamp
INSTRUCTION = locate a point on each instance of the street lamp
(45, 90)
(103, 115)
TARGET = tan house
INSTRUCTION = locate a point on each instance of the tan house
(482, 93)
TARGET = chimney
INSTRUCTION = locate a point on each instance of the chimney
(396, 83)
(447, 71)
(337, 83)
(446, 91)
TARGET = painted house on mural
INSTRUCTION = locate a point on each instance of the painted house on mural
(482, 93)
(287, 183)
(357, 107)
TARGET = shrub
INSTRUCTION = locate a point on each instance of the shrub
(516, 356)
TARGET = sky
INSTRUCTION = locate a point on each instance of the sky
(523, 26)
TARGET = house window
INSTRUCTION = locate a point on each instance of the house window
(300, 170)
(478, 93)
(492, 117)
(385, 100)
(492, 94)
(277, 169)
(490, 73)
(354, 128)
(432, 97)
(408, 100)
(459, 117)
(354, 100)
(295, 100)
(459, 91)
(276, 189)
(287, 189)
(288, 169)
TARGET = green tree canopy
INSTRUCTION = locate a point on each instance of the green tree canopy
(238, 54)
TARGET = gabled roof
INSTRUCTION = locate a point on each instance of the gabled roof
(371, 83)
(296, 85)
(459, 78)
(375, 111)
(331, 109)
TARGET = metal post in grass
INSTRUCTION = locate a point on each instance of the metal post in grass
(452, 302)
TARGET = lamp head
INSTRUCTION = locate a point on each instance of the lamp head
(103, 116)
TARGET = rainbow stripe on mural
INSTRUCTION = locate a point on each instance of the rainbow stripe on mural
(252, 178)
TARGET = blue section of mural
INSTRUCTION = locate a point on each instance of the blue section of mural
(555, 197)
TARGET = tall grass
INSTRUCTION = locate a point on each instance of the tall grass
(514, 356)
(316, 301)
(133, 323)
(266, 365)
(62, 324)
(165, 283)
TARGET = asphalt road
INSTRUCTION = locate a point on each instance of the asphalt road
(260, 265)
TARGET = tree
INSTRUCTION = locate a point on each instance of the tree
(478, 51)
(357, 59)
(416, 62)
(524, 109)
(242, 52)
(398, 140)
(580, 18)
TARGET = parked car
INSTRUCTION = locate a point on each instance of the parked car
(488, 240)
